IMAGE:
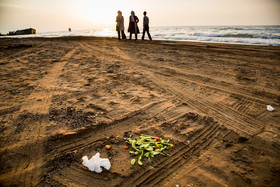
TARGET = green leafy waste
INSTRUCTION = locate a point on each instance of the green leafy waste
(147, 146)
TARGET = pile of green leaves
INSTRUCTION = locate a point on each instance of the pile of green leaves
(147, 146)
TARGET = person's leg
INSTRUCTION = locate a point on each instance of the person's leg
(119, 35)
(149, 36)
(135, 31)
(123, 35)
(143, 36)
(148, 32)
(130, 35)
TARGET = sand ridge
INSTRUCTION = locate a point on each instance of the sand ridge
(64, 98)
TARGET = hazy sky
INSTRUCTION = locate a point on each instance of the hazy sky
(57, 15)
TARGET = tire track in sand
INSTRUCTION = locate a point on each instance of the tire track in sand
(22, 54)
(182, 155)
(37, 103)
(191, 147)
(229, 117)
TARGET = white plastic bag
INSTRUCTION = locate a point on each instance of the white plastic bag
(269, 108)
(95, 163)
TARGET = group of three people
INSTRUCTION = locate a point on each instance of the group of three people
(132, 28)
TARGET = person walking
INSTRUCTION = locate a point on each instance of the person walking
(120, 25)
(133, 28)
(146, 26)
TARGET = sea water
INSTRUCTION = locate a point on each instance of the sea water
(258, 35)
(251, 35)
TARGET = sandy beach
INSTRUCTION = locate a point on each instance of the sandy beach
(64, 98)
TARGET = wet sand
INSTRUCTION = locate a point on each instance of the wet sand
(64, 98)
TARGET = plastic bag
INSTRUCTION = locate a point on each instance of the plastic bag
(269, 108)
(95, 163)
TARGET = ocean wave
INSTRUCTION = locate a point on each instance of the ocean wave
(236, 28)
(242, 35)
(251, 36)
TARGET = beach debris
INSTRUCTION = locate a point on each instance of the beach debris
(269, 108)
(127, 135)
(126, 147)
(147, 146)
(95, 163)
(133, 161)
(108, 147)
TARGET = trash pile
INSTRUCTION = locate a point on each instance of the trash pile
(147, 146)
(143, 146)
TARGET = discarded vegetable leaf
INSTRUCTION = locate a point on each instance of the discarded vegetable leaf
(148, 146)
(140, 163)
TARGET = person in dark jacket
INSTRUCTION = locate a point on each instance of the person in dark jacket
(146, 26)
(133, 28)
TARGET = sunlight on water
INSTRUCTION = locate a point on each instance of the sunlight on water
(253, 35)
(108, 33)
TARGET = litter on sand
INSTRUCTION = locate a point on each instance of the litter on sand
(269, 108)
(148, 146)
(95, 163)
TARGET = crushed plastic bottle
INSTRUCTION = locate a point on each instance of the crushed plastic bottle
(95, 163)
(269, 108)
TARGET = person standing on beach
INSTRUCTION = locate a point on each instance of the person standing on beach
(120, 25)
(146, 26)
(133, 28)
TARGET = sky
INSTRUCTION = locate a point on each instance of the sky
(59, 15)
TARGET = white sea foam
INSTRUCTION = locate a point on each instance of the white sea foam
(254, 35)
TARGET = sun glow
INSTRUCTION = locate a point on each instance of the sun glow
(53, 15)
(101, 13)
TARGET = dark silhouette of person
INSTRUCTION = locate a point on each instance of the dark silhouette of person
(120, 25)
(146, 26)
(133, 28)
